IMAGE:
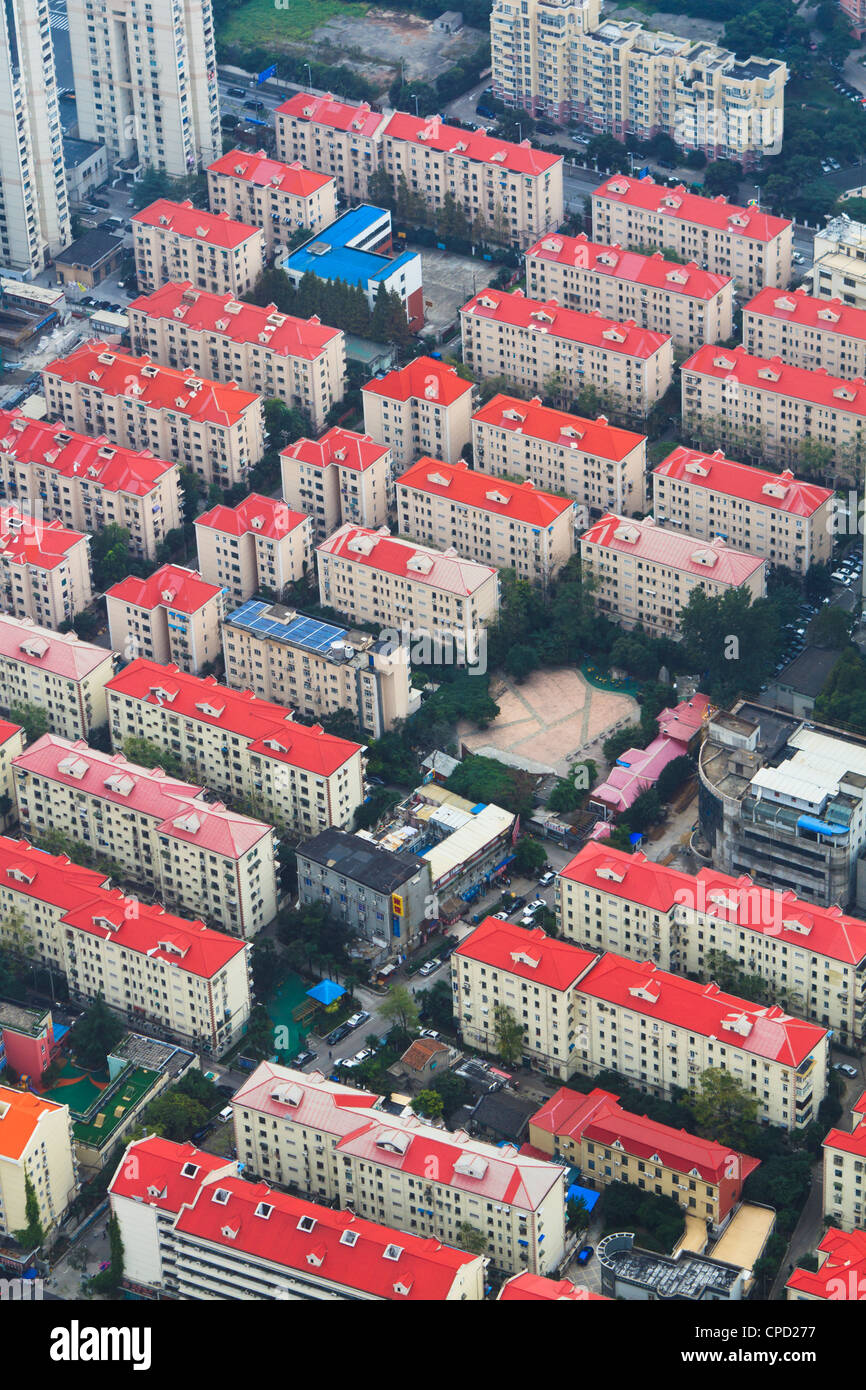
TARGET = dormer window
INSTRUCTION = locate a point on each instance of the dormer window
(392, 1252)
(349, 1238)
(263, 1210)
(189, 1170)
(220, 1196)
(307, 1224)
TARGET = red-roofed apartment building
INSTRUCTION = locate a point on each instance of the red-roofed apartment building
(175, 241)
(340, 1144)
(841, 1274)
(774, 515)
(766, 409)
(845, 1172)
(11, 744)
(814, 956)
(609, 1144)
(646, 573)
(422, 408)
(259, 544)
(87, 483)
(58, 672)
(806, 332)
(581, 1011)
(745, 243)
(174, 615)
(529, 341)
(35, 1143)
(374, 577)
(266, 193)
(601, 467)
(504, 524)
(691, 304)
(44, 566)
(215, 429)
(342, 476)
(535, 1288)
(299, 361)
(296, 776)
(165, 834)
(514, 189)
(192, 1228)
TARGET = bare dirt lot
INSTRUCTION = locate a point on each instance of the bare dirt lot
(449, 281)
(551, 714)
(390, 36)
(685, 26)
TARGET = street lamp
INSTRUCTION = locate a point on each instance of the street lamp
(309, 75)
(417, 112)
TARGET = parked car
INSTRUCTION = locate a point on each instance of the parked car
(546, 878)
(357, 1019)
(253, 105)
(431, 966)
(846, 1068)
(236, 92)
(429, 1033)
(338, 1034)
(363, 1056)
(585, 1254)
(500, 916)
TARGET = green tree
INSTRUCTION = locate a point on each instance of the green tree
(437, 1005)
(645, 811)
(723, 1109)
(95, 1034)
(673, 776)
(530, 856)
(109, 1280)
(259, 1037)
(831, 628)
(175, 1116)
(33, 1234)
(469, 1238)
(33, 719)
(723, 176)
(399, 1008)
(110, 555)
(429, 1103)
(576, 1215)
(148, 754)
(509, 1035)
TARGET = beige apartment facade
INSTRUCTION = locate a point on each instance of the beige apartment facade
(600, 466)
(333, 137)
(88, 484)
(35, 1144)
(56, 671)
(689, 303)
(839, 262)
(266, 193)
(195, 854)
(766, 408)
(812, 958)
(337, 1144)
(215, 429)
(301, 362)
(44, 567)
(806, 332)
(266, 649)
(749, 245)
(174, 616)
(292, 775)
(774, 515)
(494, 522)
(422, 408)
(845, 1172)
(175, 241)
(261, 544)
(374, 577)
(340, 477)
(530, 342)
(646, 574)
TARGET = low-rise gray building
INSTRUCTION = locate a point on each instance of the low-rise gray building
(634, 1274)
(798, 685)
(385, 896)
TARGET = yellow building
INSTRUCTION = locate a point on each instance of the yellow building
(35, 1143)
(173, 616)
(56, 671)
(422, 408)
(818, 334)
(266, 193)
(340, 477)
(844, 1169)
(260, 544)
(176, 241)
(44, 567)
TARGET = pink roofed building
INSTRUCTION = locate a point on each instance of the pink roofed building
(638, 769)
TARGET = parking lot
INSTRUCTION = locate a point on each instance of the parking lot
(449, 281)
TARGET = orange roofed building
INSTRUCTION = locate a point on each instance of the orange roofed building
(35, 1143)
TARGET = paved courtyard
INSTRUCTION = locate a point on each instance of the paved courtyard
(449, 281)
(549, 715)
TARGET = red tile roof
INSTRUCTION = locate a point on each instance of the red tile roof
(61, 653)
(718, 474)
(178, 809)
(691, 207)
(155, 933)
(537, 1289)
(339, 115)
(546, 316)
(460, 484)
(853, 1143)
(263, 326)
(342, 448)
(660, 546)
(182, 219)
(422, 379)
(432, 133)
(8, 730)
(255, 515)
(25, 540)
(654, 270)
(270, 729)
(757, 1029)
(533, 955)
(98, 365)
(599, 1116)
(73, 455)
(152, 1172)
(171, 586)
(20, 1114)
(532, 420)
(780, 914)
(740, 368)
(842, 1276)
(379, 550)
(259, 169)
(809, 311)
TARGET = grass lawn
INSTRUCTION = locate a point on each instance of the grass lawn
(259, 22)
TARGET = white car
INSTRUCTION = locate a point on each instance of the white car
(546, 878)
(358, 1058)
(846, 1068)
(500, 916)
(535, 905)
(430, 967)
(429, 1033)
